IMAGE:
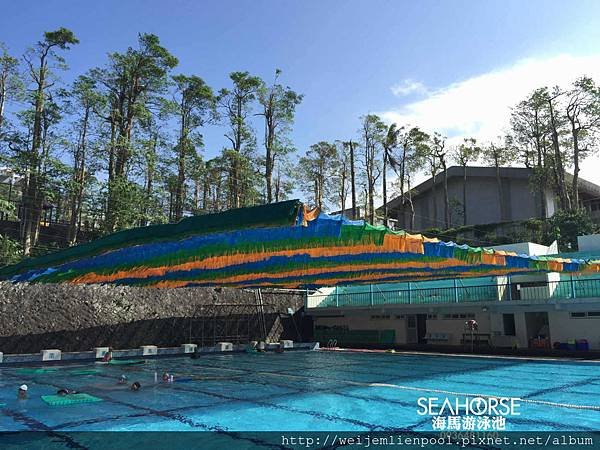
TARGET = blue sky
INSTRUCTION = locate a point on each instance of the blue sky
(344, 56)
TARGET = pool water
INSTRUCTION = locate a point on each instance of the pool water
(300, 390)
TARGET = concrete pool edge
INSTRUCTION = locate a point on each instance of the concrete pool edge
(25, 359)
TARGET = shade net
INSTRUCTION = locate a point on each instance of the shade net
(278, 245)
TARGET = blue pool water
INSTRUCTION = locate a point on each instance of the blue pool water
(304, 391)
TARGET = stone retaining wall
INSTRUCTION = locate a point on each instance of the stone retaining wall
(77, 318)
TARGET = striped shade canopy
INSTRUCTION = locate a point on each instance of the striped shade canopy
(281, 245)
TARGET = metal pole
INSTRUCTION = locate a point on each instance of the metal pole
(509, 287)
(409, 294)
(337, 297)
(455, 291)
(371, 293)
(573, 293)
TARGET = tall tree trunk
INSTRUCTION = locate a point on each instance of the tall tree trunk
(464, 205)
(446, 200)
(78, 179)
(575, 185)
(434, 196)
(410, 203)
(564, 193)
(541, 185)
(384, 180)
(32, 202)
(2, 101)
(500, 193)
(353, 180)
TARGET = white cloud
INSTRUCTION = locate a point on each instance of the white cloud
(407, 87)
(480, 106)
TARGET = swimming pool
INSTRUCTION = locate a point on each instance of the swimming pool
(301, 390)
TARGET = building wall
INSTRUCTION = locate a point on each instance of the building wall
(363, 321)
(563, 327)
(482, 202)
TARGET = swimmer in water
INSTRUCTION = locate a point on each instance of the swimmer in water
(22, 392)
(108, 355)
(65, 392)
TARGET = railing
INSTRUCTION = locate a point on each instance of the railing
(546, 290)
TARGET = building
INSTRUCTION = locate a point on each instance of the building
(483, 205)
(525, 311)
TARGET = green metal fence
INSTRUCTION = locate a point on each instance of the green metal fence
(409, 295)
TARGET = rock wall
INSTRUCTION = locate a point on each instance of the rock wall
(77, 318)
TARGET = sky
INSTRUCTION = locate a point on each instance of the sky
(455, 67)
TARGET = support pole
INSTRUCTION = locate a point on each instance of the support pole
(455, 291)
(509, 287)
(371, 293)
(573, 293)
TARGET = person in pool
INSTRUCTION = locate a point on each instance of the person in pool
(22, 392)
(136, 386)
(122, 379)
(195, 354)
(166, 377)
(108, 355)
(65, 392)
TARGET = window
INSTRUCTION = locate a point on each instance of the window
(583, 315)
(509, 324)
(380, 317)
(454, 316)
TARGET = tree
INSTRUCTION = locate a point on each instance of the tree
(556, 123)
(38, 61)
(351, 147)
(529, 133)
(438, 146)
(83, 97)
(316, 171)
(583, 114)
(10, 83)
(278, 109)
(193, 103)
(341, 175)
(567, 225)
(465, 153)
(389, 143)
(412, 146)
(236, 105)
(372, 134)
(131, 82)
(498, 156)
